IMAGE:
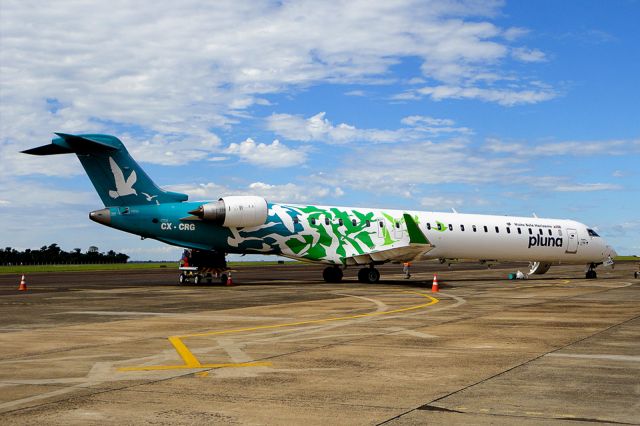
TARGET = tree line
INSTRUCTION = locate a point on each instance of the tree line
(52, 255)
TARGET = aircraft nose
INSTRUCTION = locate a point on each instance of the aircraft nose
(102, 216)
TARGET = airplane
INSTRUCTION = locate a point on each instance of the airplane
(340, 237)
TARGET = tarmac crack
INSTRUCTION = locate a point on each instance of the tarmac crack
(486, 379)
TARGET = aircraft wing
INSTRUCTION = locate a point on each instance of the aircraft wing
(417, 246)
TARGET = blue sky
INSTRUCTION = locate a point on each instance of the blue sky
(486, 107)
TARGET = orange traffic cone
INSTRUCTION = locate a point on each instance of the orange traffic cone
(229, 280)
(434, 287)
(23, 285)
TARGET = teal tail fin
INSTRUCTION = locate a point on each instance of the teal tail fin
(119, 180)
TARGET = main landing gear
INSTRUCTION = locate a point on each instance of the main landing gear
(332, 274)
(591, 272)
(369, 275)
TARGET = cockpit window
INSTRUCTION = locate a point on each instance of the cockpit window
(592, 233)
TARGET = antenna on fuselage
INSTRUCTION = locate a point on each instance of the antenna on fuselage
(535, 215)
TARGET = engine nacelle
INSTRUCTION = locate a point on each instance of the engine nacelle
(237, 211)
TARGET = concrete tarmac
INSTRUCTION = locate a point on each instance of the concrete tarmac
(283, 347)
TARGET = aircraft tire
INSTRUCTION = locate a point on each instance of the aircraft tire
(223, 279)
(362, 275)
(197, 280)
(332, 274)
(372, 275)
(591, 275)
(182, 279)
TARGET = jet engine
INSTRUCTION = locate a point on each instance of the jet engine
(538, 268)
(235, 211)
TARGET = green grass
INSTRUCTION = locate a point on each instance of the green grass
(623, 258)
(28, 269)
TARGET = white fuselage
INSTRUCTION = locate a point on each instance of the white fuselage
(508, 238)
(485, 237)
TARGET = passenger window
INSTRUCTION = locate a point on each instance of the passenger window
(550, 232)
(530, 231)
(381, 224)
(398, 225)
(353, 222)
(508, 230)
(428, 226)
(497, 230)
(367, 223)
(462, 228)
(326, 220)
(450, 227)
(540, 231)
(519, 231)
(486, 229)
(340, 222)
(560, 232)
(474, 228)
(313, 220)
(295, 219)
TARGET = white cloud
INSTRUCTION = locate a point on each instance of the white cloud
(274, 155)
(577, 148)
(586, 187)
(440, 203)
(319, 129)
(181, 71)
(562, 184)
(288, 192)
(528, 55)
(505, 97)
(20, 193)
(514, 33)
(401, 169)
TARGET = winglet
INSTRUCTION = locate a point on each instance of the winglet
(416, 236)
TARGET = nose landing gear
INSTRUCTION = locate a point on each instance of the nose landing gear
(591, 272)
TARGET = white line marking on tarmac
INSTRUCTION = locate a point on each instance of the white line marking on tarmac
(217, 317)
(400, 330)
(630, 358)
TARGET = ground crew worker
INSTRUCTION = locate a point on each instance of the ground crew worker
(406, 268)
(186, 257)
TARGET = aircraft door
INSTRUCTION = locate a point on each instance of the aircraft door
(572, 243)
(380, 227)
(397, 230)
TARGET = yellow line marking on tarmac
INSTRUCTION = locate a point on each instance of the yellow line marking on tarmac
(185, 367)
(189, 359)
(191, 362)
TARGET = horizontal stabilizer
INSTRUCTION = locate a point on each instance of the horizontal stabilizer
(68, 144)
(50, 149)
(88, 143)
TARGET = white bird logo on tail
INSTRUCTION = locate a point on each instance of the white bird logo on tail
(123, 187)
(149, 197)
